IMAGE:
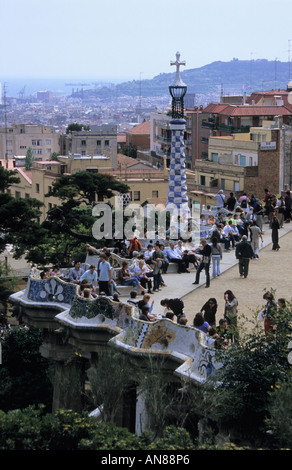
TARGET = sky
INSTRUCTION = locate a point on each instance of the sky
(115, 40)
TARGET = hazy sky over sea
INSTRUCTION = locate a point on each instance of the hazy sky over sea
(132, 39)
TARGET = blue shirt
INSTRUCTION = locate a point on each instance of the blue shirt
(204, 327)
(104, 271)
(90, 277)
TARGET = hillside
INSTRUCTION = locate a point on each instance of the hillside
(234, 76)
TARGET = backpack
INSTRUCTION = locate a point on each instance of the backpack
(243, 204)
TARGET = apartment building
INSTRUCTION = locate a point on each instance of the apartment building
(17, 138)
(98, 141)
(196, 139)
(247, 162)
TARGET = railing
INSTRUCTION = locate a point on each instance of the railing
(234, 129)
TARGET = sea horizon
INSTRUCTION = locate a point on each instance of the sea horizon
(59, 85)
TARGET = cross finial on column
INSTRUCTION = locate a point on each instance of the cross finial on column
(178, 81)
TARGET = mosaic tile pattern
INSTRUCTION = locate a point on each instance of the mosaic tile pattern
(51, 290)
(177, 190)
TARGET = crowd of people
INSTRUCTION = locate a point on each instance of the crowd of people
(237, 225)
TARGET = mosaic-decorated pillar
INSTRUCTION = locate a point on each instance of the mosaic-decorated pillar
(177, 187)
(177, 191)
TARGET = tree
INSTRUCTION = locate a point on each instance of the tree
(24, 374)
(54, 156)
(7, 177)
(19, 224)
(86, 187)
(29, 159)
(70, 223)
(74, 126)
(130, 150)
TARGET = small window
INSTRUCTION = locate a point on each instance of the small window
(98, 143)
(202, 180)
(106, 143)
(214, 157)
(136, 195)
(37, 188)
(242, 160)
(83, 142)
(154, 193)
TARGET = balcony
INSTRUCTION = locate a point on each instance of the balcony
(208, 124)
(234, 129)
(163, 138)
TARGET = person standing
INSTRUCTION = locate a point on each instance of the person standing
(256, 235)
(231, 202)
(230, 312)
(220, 198)
(105, 275)
(281, 210)
(258, 212)
(287, 201)
(275, 233)
(157, 260)
(269, 312)
(205, 263)
(244, 253)
(216, 256)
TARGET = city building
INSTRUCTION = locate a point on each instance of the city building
(17, 138)
(247, 162)
(98, 140)
(139, 136)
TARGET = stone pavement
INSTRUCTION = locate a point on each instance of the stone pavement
(272, 269)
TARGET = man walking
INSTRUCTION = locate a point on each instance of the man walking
(243, 253)
(204, 263)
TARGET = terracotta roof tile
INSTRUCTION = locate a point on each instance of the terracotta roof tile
(143, 128)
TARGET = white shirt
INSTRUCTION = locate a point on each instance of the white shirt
(226, 230)
(173, 253)
(220, 198)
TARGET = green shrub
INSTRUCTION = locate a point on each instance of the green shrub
(31, 429)
(280, 409)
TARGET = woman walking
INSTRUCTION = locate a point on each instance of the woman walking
(275, 233)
